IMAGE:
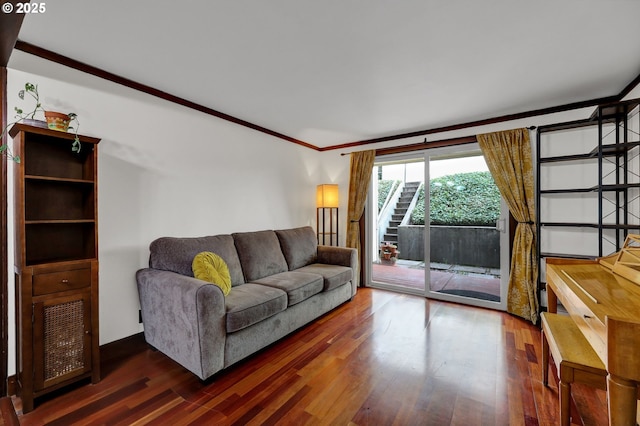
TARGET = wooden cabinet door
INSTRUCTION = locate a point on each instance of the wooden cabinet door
(61, 339)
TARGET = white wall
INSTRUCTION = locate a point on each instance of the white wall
(165, 170)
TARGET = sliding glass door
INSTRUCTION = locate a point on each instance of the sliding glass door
(397, 243)
(438, 227)
(468, 238)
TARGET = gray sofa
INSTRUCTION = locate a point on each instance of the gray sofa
(281, 280)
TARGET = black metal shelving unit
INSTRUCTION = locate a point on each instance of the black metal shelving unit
(616, 195)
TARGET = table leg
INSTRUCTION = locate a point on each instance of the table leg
(622, 395)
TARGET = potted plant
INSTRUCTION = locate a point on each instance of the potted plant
(54, 120)
(389, 252)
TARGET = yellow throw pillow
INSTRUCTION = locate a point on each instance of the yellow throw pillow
(212, 268)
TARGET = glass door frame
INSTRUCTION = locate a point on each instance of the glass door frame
(427, 155)
(505, 261)
(412, 157)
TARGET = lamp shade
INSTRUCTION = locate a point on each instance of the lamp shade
(327, 195)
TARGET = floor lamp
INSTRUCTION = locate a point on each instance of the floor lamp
(327, 206)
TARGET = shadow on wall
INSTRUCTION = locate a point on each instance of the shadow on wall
(121, 253)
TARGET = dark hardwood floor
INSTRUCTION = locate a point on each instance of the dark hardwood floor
(382, 359)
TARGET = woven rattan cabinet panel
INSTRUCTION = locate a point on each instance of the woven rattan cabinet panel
(56, 261)
(64, 351)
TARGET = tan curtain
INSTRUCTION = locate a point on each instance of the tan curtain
(508, 155)
(359, 177)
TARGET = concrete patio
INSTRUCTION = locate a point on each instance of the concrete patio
(483, 283)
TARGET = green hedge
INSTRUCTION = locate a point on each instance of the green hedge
(384, 188)
(463, 199)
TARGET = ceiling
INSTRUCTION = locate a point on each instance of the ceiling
(336, 71)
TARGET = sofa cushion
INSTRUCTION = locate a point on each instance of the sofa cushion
(260, 254)
(334, 275)
(176, 254)
(210, 267)
(299, 246)
(249, 303)
(298, 285)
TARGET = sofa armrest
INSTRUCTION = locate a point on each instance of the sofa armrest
(343, 256)
(184, 318)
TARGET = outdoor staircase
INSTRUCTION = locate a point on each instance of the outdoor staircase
(409, 190)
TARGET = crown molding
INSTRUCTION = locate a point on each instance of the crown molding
(72, 63)
(106, 75)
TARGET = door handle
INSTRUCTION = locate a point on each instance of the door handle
(501, 225)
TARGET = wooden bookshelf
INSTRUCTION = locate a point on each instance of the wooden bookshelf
(56, 261)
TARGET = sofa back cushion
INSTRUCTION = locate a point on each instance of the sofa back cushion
(260, 254)
(299, 246)
(176, 254)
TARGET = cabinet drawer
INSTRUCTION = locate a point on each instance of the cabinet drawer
(54, 282)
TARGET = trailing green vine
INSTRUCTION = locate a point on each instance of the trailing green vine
(31, 90)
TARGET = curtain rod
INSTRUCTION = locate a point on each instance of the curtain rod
(436, 144)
